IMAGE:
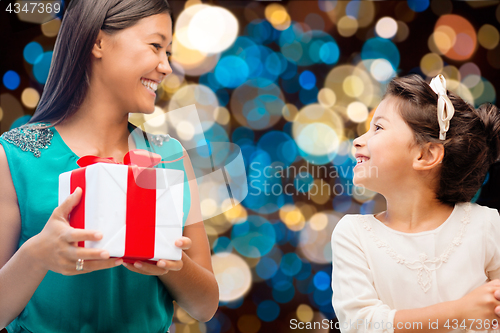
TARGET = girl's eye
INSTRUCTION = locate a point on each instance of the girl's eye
(377, 127)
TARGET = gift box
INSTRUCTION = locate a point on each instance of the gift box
(136, 207)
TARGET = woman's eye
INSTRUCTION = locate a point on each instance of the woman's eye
(157, 46)
(169, 54)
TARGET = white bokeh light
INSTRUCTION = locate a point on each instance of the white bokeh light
(386, 27)
(208, 29)
(232, 274)
(381, 70)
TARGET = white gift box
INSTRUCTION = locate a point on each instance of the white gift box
(133, 227)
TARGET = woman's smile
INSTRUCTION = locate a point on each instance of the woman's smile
(150, 85)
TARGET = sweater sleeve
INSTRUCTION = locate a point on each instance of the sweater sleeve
(492, 243)
(355, 300)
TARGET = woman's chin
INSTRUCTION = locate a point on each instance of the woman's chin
(147, 110)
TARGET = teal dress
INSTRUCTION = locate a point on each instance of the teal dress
(111, 300)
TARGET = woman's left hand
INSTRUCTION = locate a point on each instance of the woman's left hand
(162, 266)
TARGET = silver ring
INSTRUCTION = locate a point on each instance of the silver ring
(79, 265)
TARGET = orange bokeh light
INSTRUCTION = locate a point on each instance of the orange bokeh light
(465, 42)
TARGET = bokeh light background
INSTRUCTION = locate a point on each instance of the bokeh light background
(292, 83)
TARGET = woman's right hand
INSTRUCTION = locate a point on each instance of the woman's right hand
(56, 246)
(478, 309)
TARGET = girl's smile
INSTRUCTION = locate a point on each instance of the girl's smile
(360, 159)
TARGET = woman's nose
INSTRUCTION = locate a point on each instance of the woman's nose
(164, 66)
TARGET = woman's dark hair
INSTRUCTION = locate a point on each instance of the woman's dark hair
(69, 76)
(472, 141)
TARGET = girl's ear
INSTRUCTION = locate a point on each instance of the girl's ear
(429, 157)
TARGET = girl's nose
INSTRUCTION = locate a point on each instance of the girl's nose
(358, 142)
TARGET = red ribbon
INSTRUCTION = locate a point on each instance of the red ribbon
(141, 200)
(139, 157)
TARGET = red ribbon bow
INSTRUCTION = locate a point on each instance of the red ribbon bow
(138, 157)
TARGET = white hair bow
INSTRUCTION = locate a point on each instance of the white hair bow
(445, 109)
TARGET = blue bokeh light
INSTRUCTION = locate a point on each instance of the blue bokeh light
(253, 238)
(222, 244)
(266, 268)
(307, 80)
(305, 271)
(290, 264)
(231, 71)
(268, 310)
(281, 148)
(32, 51)
(321, 280)
(377, 48)
(260, 31)
(329, 53)
(11, 80)
(263, 182)
(418, 5)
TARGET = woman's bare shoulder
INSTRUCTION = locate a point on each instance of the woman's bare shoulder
(10, 219)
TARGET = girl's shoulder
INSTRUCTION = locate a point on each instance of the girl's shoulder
(350, 225)
(484, 214)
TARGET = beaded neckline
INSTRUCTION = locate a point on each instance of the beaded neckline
(423, 265)
(33, 139)
(29, 139)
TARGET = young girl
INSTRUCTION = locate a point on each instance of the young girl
(425, 264)
(109, 58)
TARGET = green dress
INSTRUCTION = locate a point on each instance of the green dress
(111, 300)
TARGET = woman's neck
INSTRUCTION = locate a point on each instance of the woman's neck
(95, 130)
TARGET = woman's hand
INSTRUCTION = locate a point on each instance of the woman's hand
(57, 248)
(162, 266)
(480, 309)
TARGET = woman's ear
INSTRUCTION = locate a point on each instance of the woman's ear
(430, 156)
(97, 50)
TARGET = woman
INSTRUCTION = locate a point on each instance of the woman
(108, 60)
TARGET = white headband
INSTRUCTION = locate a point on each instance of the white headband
(445, 109)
